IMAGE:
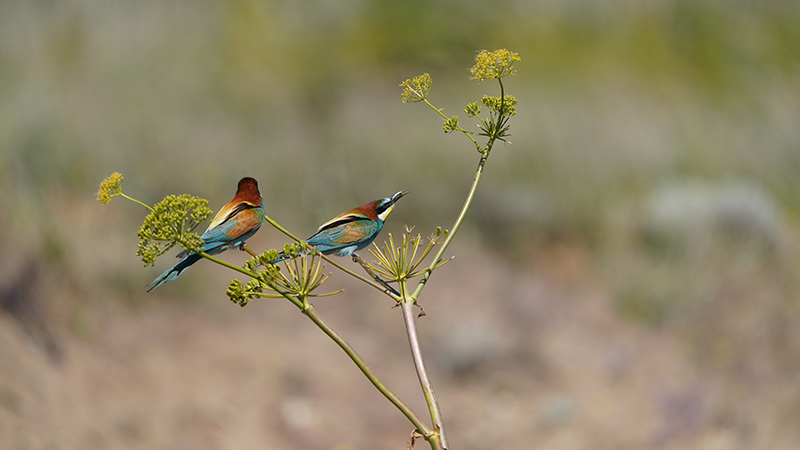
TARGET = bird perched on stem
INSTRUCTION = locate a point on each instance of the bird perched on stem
(236, 222)
(352, 230)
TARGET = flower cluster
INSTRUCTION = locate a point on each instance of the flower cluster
(508, 105)
(171, 222)
(304, 276)
(450, 124)
(400, 263)
(241, 293)
(494, 65)
(473, 109)
(416, 89)
(262, 260)
(110, 187)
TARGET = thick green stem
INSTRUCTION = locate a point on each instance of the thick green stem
(308, 310)
(228, 265)
(394, 399)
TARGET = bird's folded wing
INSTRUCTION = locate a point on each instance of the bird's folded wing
(344, 234)
(241, 219)
(343, 219)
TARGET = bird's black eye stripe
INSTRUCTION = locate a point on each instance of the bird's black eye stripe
(382, 207)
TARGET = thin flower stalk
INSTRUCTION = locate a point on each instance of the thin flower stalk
(488, 66)
(112, 187)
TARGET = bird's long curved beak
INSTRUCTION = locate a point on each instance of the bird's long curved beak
(398, 196)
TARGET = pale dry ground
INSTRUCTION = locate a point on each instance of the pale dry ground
(532, 358)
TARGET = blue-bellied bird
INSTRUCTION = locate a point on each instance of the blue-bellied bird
(236, 222)
(352, 230)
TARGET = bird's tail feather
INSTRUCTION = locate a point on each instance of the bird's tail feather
(173, 272)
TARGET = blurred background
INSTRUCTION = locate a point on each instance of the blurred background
(627, 277)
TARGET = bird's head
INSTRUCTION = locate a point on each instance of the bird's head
(247, 191)
(384, 206)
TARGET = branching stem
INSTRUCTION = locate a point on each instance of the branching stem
(394, 399)
(466, 133)
(409, 301)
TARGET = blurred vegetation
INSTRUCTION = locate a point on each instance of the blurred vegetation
(622, 99)
(659, 139)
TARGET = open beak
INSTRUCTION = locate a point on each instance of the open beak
(397, 196)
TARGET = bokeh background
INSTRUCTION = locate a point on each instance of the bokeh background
(627, 277)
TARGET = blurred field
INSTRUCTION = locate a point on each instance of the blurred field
(626, 279)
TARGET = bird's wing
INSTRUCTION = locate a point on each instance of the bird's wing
(343, 219)
(343, 233)
(231, 223)
(226, 213)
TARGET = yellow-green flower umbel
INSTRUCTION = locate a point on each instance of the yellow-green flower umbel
(416, 89)
(493, 65)
(110, 187)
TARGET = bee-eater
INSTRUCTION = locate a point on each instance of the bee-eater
(352, 230)
(234, 223)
